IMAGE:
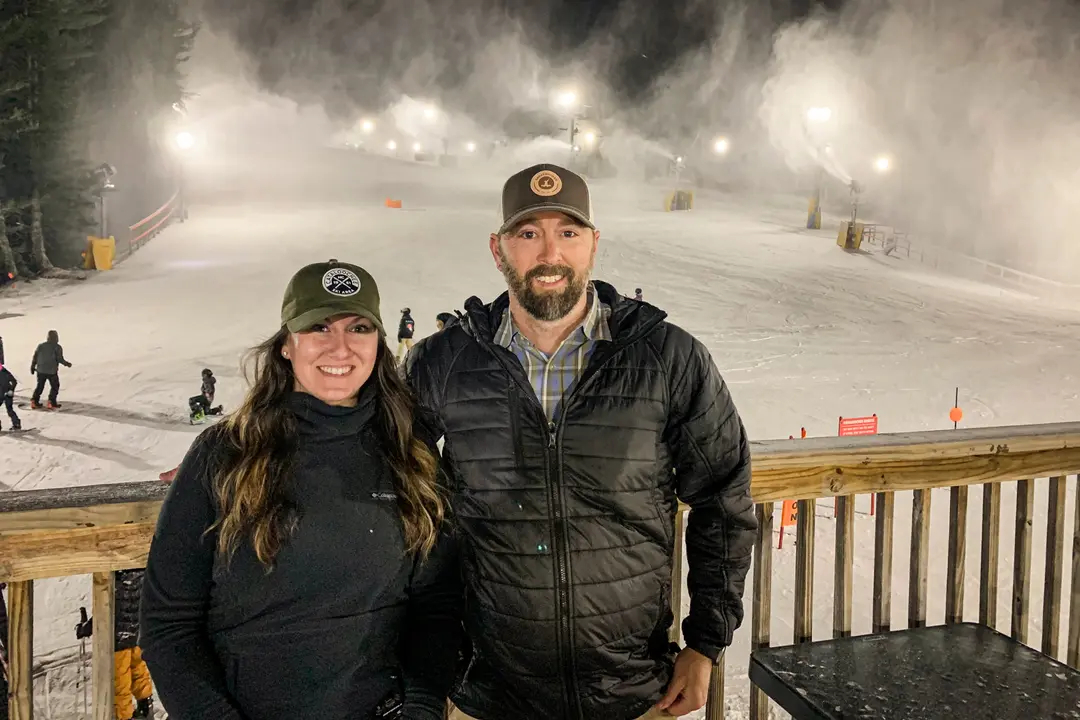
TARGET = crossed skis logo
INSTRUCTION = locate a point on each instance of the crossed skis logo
(340, 281)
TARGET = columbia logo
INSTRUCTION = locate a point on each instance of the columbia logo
(383, 496)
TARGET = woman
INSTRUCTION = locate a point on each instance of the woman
(299, 569)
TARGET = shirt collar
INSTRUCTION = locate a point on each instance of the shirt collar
(594, 326)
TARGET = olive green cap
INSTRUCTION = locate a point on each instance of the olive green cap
(320, 291)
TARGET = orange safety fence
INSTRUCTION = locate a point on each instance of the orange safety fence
(155, 220)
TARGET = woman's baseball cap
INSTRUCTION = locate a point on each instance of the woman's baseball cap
(320, 291)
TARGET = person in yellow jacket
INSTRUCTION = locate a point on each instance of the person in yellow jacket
(133, 690)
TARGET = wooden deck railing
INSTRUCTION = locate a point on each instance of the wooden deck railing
(99, 529)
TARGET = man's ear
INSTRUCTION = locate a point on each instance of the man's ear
(595, 239)
(493, 245)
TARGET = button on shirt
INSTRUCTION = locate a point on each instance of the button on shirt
(553, 376)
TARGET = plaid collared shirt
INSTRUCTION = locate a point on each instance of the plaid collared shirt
(553, 376)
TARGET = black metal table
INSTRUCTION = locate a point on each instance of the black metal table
(936, 673)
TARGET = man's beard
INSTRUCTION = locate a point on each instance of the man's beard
(545, 306)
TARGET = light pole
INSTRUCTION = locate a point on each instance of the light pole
(568, 101)
(104, 173)
(185, 141)
(816, 116)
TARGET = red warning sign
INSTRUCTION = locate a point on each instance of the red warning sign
(858, 426)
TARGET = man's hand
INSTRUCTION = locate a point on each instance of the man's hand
(689, 688)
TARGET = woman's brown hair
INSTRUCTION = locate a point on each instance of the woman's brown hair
(250, 484)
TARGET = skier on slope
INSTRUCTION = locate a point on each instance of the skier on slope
(405, 333)
(48, 358)
(7, 396)
(202, 404)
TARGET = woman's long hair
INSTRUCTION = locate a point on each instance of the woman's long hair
(250, 486)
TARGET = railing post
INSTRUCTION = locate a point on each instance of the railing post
(714, 708)
(20, 698)
(954, 589)
(1025, 506)
(761, 617)
(845, 547)
(883, 557)
(1055, 566)
(677, 571)
(1074, 602)
(103, 645)
(804, 572)
(920, 558)
(988, 565)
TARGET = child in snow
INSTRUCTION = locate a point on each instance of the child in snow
(405, 333)
(7, 395)
(202, 404)
(133, 691)
(48, 358)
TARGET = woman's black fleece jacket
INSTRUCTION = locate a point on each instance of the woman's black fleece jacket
(344, 616)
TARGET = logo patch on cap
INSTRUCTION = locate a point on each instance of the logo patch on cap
(545, 183)
(341, 282)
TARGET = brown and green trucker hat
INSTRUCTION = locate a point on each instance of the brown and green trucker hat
(322, 290)
(545, 187)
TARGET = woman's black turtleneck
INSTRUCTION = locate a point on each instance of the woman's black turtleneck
(344, 613)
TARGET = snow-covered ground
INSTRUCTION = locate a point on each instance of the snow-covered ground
(802, 331)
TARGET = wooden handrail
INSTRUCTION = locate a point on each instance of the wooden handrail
(101, 528)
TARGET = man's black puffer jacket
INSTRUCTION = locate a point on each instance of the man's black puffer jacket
(569, 528)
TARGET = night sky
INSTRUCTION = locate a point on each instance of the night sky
(377, 40)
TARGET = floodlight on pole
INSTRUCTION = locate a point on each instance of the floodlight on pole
(567, 99)
(883, 164)
(590, 137)
(721, 146)
(185, 140)
(392, 145)
(417, 147)
(470, 146)
(819, 114)
(367, 126)
(430, 113)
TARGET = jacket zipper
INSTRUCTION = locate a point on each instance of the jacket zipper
(571, 696)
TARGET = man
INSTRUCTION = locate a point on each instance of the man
(405, 331)
(48, 358)
(8, 383)
(444, 319)
(573, 419)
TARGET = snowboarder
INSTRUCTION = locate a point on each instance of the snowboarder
(405, 333)
(444, 320)
(133, 691)
(48, 358)
(202, 404)
(7, 395)
(637, 295)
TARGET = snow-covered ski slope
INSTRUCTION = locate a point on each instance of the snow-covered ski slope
(802, 331)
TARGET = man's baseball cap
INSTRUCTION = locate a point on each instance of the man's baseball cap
(322, 290)
(545, 187)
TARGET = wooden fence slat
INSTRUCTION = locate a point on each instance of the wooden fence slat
(761, 619)
(1055, 566)
(883, 558)
(845, 549)
(1074, 602)
(20, 646)
(988, 564)
(804, 572)
(1025, 507)
(920, 558)
(678, 570)
(102, 668)
(954, 588)
(714, 708)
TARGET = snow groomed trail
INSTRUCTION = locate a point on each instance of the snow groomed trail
(802, 332)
